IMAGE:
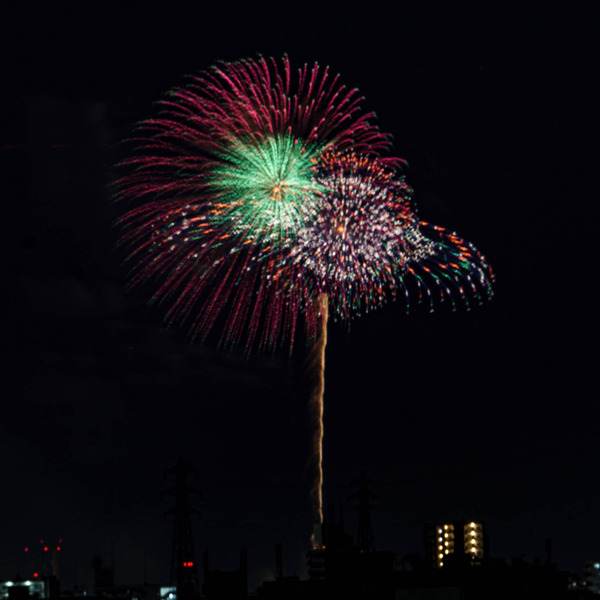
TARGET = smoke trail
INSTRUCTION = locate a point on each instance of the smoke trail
(316, 366)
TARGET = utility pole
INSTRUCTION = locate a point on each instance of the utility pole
(184, 571)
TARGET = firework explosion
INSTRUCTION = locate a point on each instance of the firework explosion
(257, 197)
(365, 243)
(222, 181)
(350, 248)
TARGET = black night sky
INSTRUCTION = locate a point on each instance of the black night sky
(489, 415)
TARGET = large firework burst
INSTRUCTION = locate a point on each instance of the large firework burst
(221, 182)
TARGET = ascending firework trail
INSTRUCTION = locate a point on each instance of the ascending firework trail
(316, 368)
(258, 199)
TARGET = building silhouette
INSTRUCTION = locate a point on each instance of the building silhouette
(226, 585)
(456, 541)
(592, 576)
(338, 568)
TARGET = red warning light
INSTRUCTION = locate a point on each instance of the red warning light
(45, 548)
(58, 548)
(26, 549)
(35, 575)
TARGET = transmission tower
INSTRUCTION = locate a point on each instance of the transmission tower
(365, 530)
(184, 571)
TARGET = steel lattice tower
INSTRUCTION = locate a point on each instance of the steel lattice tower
(365, 540)
(184, 571)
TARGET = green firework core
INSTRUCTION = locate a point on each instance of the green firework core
(264, 187)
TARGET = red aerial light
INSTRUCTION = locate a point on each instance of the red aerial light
(45, 548)
(35, 575)
(58, 548)
(26, 549)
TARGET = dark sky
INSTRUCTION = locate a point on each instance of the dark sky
(489, 414)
